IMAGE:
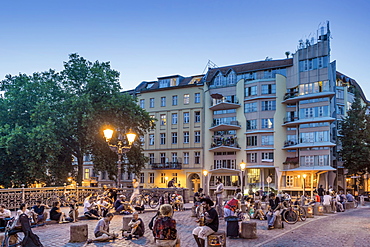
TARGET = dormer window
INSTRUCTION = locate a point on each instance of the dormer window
(164, 83)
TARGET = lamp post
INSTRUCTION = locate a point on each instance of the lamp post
(119, 148)
(205, 173)
(304, 184)
(242, 168)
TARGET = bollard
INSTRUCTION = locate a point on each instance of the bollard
(362, 200)
(78, 233)
(309, 211)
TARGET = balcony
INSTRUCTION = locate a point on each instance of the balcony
(289, 143)
(307, 144)
(219, 126)
(224, 104)
(224, 144)
(288, 121)
(293, 97)
(291, 163)
(166, 166)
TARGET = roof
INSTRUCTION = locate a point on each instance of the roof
(249, 67)
(353, 82)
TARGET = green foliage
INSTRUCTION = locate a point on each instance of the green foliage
(355, 138)
(49, 117)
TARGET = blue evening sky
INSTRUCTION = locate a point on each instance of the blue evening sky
(144, 40)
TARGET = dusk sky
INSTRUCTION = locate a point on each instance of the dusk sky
(144, 40)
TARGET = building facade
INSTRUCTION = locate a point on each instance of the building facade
(280, 117)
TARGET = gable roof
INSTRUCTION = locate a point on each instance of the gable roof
(249, 67)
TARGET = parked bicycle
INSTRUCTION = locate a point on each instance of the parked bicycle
(65, 199)
(148, 199)
(289, 214)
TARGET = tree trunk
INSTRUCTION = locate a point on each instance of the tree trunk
(80, 166)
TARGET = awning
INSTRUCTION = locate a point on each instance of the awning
(311, 168)
(225, 170)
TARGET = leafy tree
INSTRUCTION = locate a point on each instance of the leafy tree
(47, 118)
(355, 138)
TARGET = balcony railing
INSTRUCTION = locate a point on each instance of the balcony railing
(166, 165)
(290, 95)
(223, 166)
(290, 119)
(216, 123)
(230, 141)
(290, 143)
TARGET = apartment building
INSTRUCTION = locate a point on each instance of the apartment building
(280, 117)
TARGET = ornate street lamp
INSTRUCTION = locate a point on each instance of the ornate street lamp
(119, 148)
(242, 168)
(304, 184)
(205, 173)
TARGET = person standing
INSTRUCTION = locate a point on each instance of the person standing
(219, 198)
(321, 193)
(136, 191)
(171, 183)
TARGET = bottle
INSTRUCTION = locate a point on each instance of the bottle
(201, 219)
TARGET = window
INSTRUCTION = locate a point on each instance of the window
(340, 94)
(163, 138)
(250, 107)
(186, 158)
(174, 100)
(163, 158)
(197, 116)
(251, 140)
(151, 102)
(174, 137)
(163, 101)
(268, 156)
(163, 178)
(268, 105)
(289, 181)
(196, 157)
(104, 175)
(87, 173)
(174, 175)
(151, 158)
(186, 99)
(186, 117)
(174, 118)
(267, 140)
(197, 98)
(250, 91)
(267, 123)
(252, 124)
(163, 119)
(186, 136)
(142, 103)
(197, 136)
(142, 178)
(174, 157)
(251, 157)
(340, 109)
(151, 139)
(151, 177)
(268, 89)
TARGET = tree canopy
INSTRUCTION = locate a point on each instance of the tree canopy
(48, 118)
(354, 136)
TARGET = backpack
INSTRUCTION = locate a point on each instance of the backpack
(151, 223)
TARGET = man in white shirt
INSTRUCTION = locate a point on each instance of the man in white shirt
(219, 198)
(4, 213)
(136, 192)
(90, 209)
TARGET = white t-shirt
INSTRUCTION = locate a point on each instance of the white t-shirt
(219, 188)
(5, 214)
(136, 188)
(87, 205)
(327, 199)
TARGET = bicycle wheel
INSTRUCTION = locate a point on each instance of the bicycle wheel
(302, 213)
(290, 216)
(153, 201)
(14, 240)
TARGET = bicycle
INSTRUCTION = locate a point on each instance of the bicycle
(64, 199)
(289, 214)
(147, 199)
(12, 237)
(301, 212)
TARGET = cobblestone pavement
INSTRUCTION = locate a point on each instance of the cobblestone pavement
(350, 228)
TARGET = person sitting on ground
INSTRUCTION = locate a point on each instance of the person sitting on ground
(4, 213)
(57, 214)
(103, 206)
(178, 202)
(73, 210)
(258, 211)
(211, 223)
(101, 231)
(349, 197)
(90, 209)
(137, 227)
(273, 210)
(39, 216)
(121, 206)
(233, 205)
(164, 229)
